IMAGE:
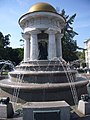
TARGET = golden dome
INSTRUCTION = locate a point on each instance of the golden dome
(45, 7)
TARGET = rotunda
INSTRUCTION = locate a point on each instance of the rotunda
(42, 27)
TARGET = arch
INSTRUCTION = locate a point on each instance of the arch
(43, 46)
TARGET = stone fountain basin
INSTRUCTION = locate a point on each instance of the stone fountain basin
(41, 76)
(8, 84)
(42, 92)
(42, 65)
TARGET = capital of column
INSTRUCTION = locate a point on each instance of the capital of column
(26, 36)
(51, 31)
(34, 31)
(60, 35)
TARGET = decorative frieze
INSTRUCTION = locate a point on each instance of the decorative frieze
(40, 22)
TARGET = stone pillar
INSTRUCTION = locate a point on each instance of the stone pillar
(26, 47)
(84, 107)
(34, 52)
(59, 45)
(51, 44)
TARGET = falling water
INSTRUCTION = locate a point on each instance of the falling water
(19, 79)
(33, 66)
(66, 69)
(70, 80)
(73, 85)
(39, 69)
(55, 59)
(5, 63)
(47, 68)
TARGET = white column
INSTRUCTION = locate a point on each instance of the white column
(34, 52)
(59, 45)
(26, 47)
(51, 44)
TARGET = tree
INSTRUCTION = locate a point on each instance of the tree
(4, 40)
(81, 57)
(69, 46)
(8, 53)
(14, 55)
(1, 40)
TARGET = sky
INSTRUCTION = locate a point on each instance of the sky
(12, 10)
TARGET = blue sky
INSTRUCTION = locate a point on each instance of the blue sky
(11, 10)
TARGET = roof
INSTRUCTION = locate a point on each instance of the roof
(42, 7)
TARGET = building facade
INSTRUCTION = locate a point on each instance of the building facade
(87, 53)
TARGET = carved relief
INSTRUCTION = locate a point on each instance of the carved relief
(27, 24)
(43, 22)
(31, 21)
(55, 23)
(37, 21)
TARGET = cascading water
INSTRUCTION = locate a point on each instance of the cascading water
(17, 89)
(19, 80)
(68, 73)
(70, 79)
(6, 63)
(73, 86)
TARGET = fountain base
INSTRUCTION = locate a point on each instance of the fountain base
(43, 80)
(42, 92)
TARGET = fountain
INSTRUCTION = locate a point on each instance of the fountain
(5, 66)
(43, 75)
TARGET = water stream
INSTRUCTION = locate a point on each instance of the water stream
(19, 80)
(16, 91)
(70, 79)
(4, 64)
(66, 69)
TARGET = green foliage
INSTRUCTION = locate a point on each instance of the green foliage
(69, 46)
(81, 57)
(14, 55)
(7, 53)
(4, 40)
